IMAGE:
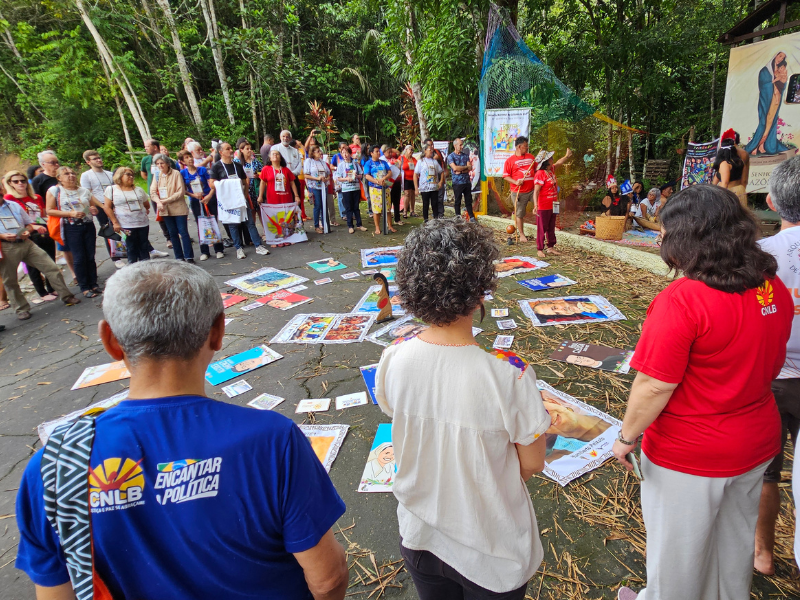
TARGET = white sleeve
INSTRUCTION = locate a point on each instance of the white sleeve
(85, 183)
(524, 415)
(307, 166)
(380, 382)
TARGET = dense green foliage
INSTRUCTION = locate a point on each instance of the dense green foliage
(654, 64)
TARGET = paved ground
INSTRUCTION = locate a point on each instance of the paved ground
(591, 529)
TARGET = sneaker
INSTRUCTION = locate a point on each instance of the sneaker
(626, 593)
(120, 263)
(227, 242)
(261, 250)
(158, 254)
(23, 315)
(220, 255)
(240, 253)
(203, 257)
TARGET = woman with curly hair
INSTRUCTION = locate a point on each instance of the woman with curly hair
(711, 345)
(468, 434)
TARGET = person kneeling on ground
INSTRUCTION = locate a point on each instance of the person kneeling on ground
(478, 418)
(217, 500)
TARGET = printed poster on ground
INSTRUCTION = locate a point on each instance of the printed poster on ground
(324, 329)
(501, 127)
(369, 302)
(379, 257)
(238, 364)
(379, 472)
(569, 309)
(762, 103)
(265, 281)
(579, 438)
(326, 440)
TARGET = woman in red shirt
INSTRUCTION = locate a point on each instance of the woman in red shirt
(408, 163)
(20, 191)
(279, 184)
(545, 193)
(711, 345)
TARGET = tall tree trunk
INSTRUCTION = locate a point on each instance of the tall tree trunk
(182, 66)
(415, 86)
(210, 17)
(631, 163)
(253, 112)
(117, 74)
(119, 110)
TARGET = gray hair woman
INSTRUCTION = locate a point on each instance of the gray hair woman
(168, 192)
(476, 417)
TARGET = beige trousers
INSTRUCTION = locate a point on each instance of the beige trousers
(29, 253)
(700, 533)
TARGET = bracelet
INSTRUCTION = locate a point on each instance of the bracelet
(623, 440)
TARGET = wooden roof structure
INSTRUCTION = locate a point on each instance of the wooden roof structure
(745, 29)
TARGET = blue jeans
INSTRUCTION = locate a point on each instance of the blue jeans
(138, 244)
(81, 238)
(255, 237)
(317, 194)
(179, 236)
(342, 209)
(351, 202)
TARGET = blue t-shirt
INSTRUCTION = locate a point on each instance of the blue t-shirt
(191, 498)
(376, 169)
(459, 159)
(202, 173)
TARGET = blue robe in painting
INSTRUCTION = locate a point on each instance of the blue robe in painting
(765, 92)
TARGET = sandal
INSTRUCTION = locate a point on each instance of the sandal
(90, 294)
(97, 289)
(4, 305)
(361, 228)
(319, 230)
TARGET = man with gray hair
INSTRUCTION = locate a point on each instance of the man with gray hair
(294, 162)
(47, 178)
(784, 198)
(217, 500)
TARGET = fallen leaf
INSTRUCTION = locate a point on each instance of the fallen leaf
(79, 334)
(616, 535)
(45, 383)
(21, 372)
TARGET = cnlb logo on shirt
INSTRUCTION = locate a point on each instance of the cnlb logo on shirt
(188, 479)
(116, 485)
(764, 295)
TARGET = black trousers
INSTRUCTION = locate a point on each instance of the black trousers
(39, 281)
(81, 239)
(429, 199)
(465, 190)
(436, 580)
(396, 193)
(137, 244)
(352, 209)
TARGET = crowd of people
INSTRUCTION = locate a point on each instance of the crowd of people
(465, 439)
(52, 207)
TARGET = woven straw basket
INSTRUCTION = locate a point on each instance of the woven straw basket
(609, 228)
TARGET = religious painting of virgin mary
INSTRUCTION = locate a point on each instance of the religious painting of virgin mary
(772, 80)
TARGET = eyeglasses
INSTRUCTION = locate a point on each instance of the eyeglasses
(18, 181)
(51, 162)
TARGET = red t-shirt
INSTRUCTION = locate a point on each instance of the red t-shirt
(549, 191)
(28, 204)
(408, 167)
(515, 167)
(353, 149)
(723, 350)
(275, 197)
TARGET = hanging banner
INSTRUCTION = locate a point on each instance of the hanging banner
(282, 224)
(762, 104)
(442, 147)
(699, 164)
(502, 126)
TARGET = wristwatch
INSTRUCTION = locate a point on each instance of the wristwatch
(624, 441)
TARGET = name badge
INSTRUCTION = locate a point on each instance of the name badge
(154, 169)
(197, 188)
(162, 193)
(556, 207)
(280, 184)
(10, 223)
(250, 172)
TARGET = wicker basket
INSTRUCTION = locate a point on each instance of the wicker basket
(609, 228)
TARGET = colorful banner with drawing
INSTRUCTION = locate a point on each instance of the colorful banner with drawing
(762, 103)
(699, 164)
(501, 128)
(282, 224)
